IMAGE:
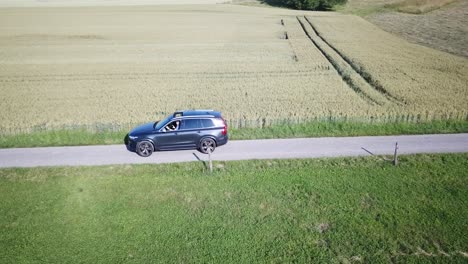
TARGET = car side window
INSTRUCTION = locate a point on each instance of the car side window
(191, 124)
(172, 126)
(207, 123)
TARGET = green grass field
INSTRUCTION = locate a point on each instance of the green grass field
(323, 210)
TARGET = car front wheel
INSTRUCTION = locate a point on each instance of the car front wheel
(144, 148)
(207, 145)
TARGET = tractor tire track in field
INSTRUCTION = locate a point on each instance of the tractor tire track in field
(348, 73)
(338, 63)
(365, 75)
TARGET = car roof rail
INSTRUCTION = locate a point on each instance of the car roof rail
(196, 112)
(199, 116)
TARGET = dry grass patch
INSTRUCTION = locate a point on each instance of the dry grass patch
(419, 6)
(442, 28)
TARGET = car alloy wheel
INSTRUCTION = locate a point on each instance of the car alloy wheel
(207, 145)
(144, 148)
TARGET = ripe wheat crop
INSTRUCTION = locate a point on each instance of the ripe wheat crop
(423, 79)
(115, 67)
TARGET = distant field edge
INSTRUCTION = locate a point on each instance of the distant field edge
(82, 137)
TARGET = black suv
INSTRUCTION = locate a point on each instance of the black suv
(191, 129)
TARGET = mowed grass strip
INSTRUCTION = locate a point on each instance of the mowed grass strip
(330, 128)
(323, 210)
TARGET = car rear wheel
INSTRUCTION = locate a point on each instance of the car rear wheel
(144, 148)
(207, 145)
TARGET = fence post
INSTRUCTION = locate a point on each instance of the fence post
(209, 159)
(395, 155)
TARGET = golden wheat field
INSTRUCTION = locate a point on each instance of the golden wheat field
(66, 67)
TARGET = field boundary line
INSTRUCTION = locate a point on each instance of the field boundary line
(364, 74)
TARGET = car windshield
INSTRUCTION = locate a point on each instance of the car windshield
(161, 123)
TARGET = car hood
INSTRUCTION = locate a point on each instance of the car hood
(143, 129)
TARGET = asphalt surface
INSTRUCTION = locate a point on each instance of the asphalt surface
(238, 150)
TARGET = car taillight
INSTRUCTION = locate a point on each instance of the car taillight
(224, 131)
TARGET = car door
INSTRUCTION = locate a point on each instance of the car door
(190, 132)
(168, 139)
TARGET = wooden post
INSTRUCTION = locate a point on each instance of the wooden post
(209, 158)
(395, 155)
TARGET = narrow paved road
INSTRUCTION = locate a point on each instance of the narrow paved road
(238, 150)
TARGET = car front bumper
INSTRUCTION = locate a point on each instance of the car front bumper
(130, 144)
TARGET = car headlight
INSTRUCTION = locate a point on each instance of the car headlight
(132, 137)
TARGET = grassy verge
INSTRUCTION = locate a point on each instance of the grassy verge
(321, 211)
(311, 129)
